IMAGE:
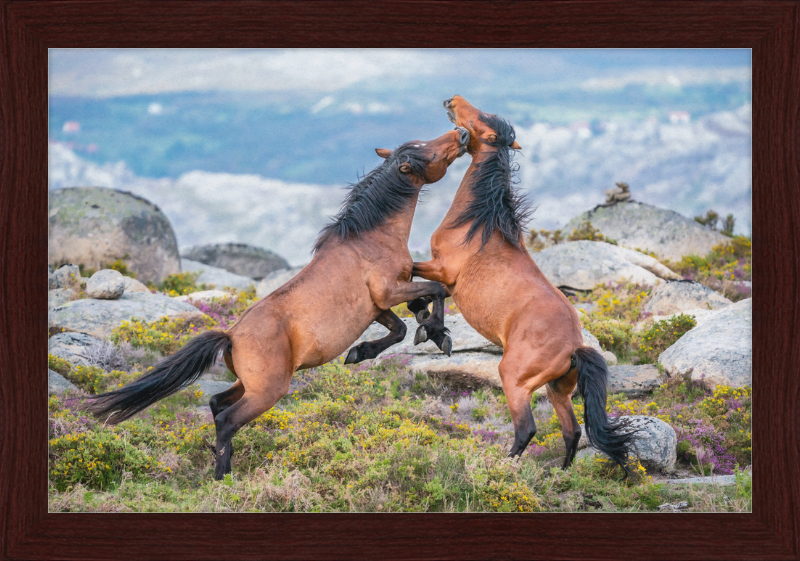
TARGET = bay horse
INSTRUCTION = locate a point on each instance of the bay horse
(360, 269)
(506, 298)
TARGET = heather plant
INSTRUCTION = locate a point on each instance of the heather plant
(621, 301)
(724, 269)
(662, 335)
(542, 239)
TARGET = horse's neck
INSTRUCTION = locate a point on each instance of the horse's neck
(399, 226)
(464, 193)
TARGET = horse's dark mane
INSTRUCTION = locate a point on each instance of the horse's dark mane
(378, 195)
(496, 204)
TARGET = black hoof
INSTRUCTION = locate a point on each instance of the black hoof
(422, 315)
(352, 356)
(447, 345)
(421, 335)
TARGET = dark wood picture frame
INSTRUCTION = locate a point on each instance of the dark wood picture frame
(771, 29)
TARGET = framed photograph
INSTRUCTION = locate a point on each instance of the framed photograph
(172, 113)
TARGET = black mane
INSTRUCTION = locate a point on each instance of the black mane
(381, 193)
(496, 204)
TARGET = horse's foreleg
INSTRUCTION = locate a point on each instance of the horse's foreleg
(371, 349)
(559, 391)
(433, 328)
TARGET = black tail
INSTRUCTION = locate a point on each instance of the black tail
(608, 436)
(170, 375)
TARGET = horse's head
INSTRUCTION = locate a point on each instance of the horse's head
(427, 161)
(484, 129)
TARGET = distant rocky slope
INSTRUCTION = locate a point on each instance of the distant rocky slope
(238, 258)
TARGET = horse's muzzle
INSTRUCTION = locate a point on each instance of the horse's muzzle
(463, 136)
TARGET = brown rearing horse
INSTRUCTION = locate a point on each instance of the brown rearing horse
(361, 268)
(478, 253)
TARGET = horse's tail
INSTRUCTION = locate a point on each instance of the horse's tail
(170, 375)
(608, 436)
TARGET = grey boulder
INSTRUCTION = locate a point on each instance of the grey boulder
(585, 264)
(655, 443)
(100, 317)
(57, 384)
(219, 278)
(238, 258)
(94, 226)
(75, 348)
(106, 284)
(641, 226)
(718, 351)
(66, 276)
(680, 296)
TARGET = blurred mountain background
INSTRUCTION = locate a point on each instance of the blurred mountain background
(255, 146)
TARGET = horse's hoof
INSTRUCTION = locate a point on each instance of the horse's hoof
(447, 345)
(422, 315)
(352, 356)
(421, 335)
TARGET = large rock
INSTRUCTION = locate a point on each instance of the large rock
(66, 276)
(675, 297)
(59, 296)
(133, 285)
(100, 317)
(584, 264)
(655, 443)
(75, 348)
(57, 384)
(238, 258)
(106, 284)
(205, 296)
(719, 351)
(642, 226)
(94, 226)
(219, 278)
(275, 280)
(467, 368)
(633, 379)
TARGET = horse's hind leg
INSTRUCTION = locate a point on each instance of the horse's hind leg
(371, 349)
(519, 404)
(559, 391)
(221, 401)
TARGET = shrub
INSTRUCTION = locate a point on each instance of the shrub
(723, 269)
(96, 459)
(614, 335)
(588, 232)
(537, 241)
(164, 335)
(179, 284)
(661, 336)
(710, 219)
(59, 365)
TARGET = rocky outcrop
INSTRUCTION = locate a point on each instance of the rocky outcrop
(642, 226)
(674, 297)
(719, 351)
(94, 226)
(75, 348)
(655, 443)
(59, 296)
(57, 384)
(238, 258)
(203, 296)
(100, 317)
(584, 264)
(275, 280)
(66, 277)
(106, 284)
(133, 285)
(216, 277)
(633, 380)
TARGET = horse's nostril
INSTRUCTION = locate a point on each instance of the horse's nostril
(448, 102)
(463, 135)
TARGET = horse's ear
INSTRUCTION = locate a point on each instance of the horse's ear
(383, 152)
(516, 146)
(405, 167)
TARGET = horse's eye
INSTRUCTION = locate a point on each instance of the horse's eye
(492, 138)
